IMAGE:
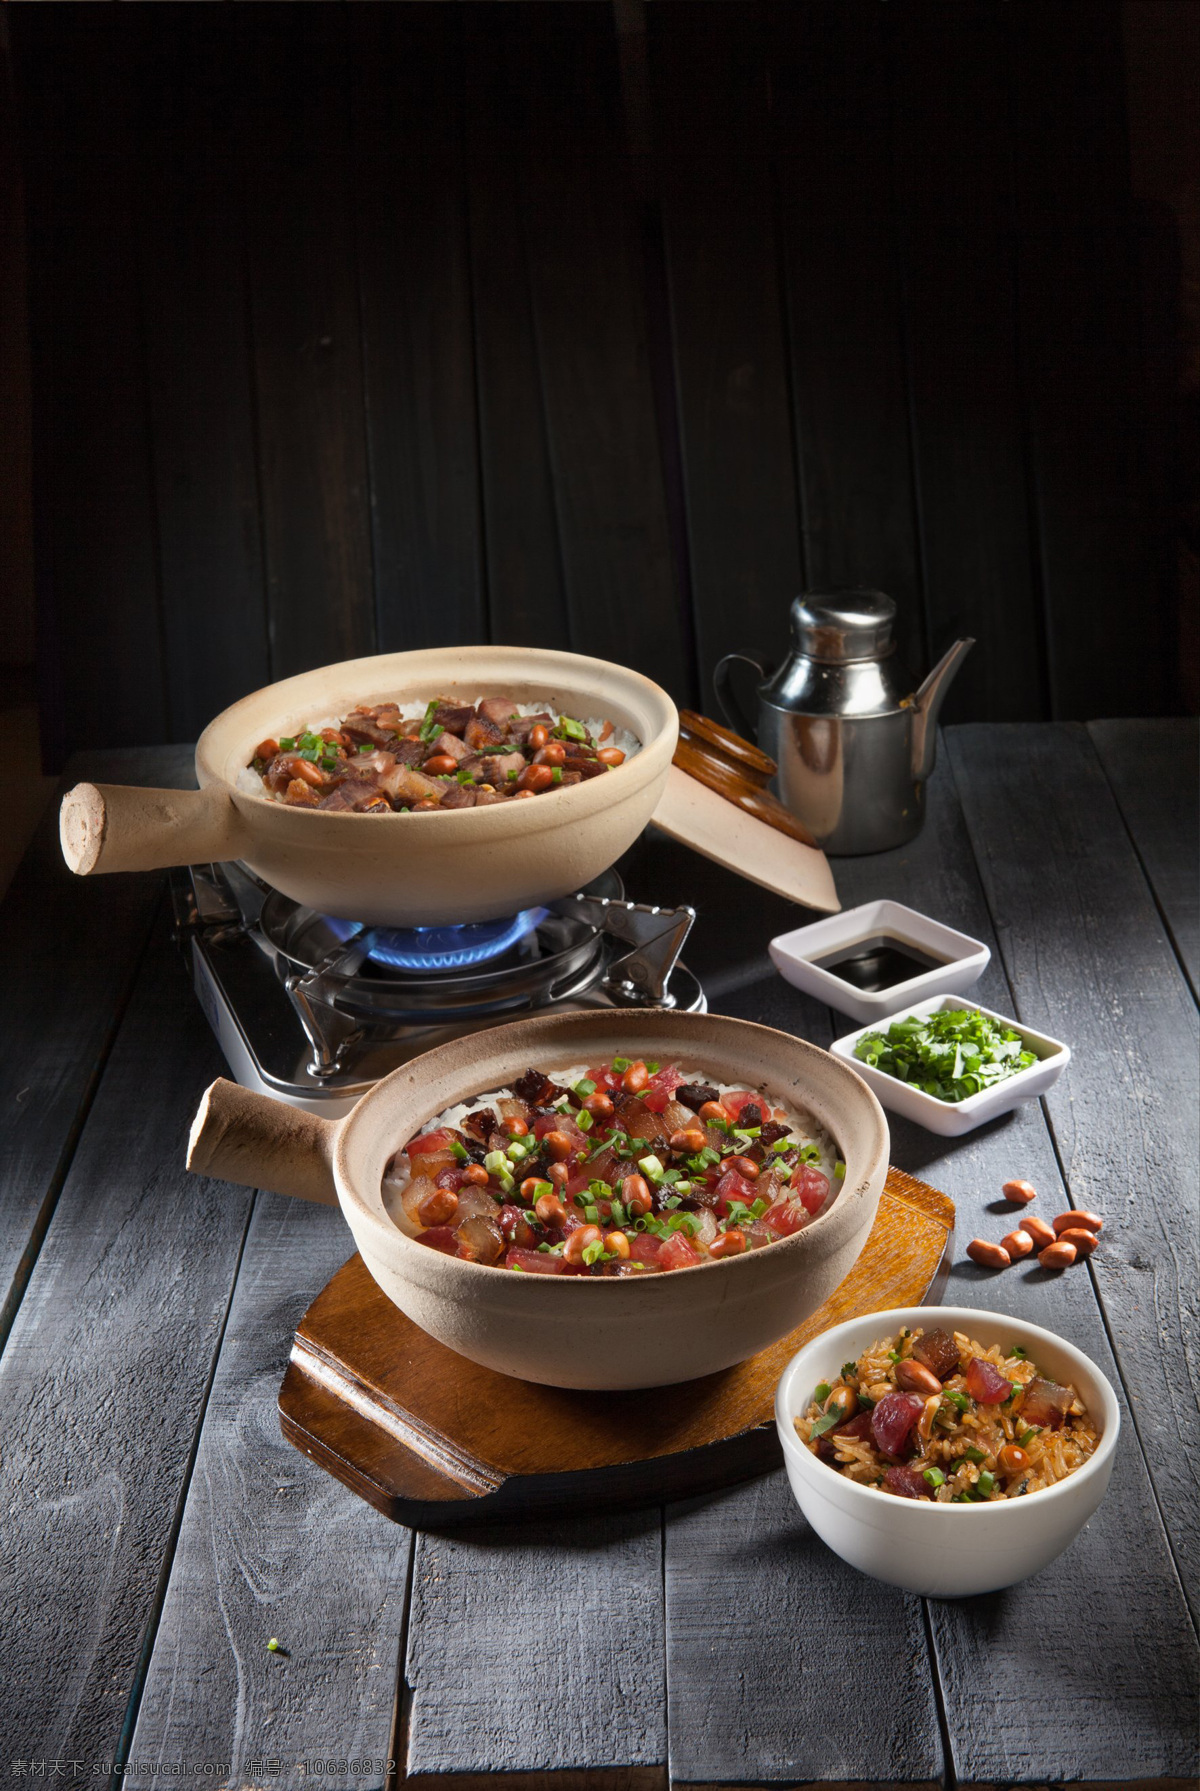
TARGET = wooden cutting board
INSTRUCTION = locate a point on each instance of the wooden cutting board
(431, 1439)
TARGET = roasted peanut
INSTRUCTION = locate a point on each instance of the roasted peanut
(440, 765)
(1012, 1460)
(611, 755)
(617, 1244)
(266, 749)
(713, 1110)
(538, 736)
(1078, 1222)
(843, 1401)
(559, 1174)
(426, 805)
(599, 1105)
(1039, 1231)
(743, 1166)
(1057, 1256)
(689, 1142)
(988, 1256)
(438, 1208)
(635, 1078)
(312, 774)
(1021, 1192)
(1084, 1241)
(578, 1242)
(557, 1145)
(728, 1243)
(635, 1192)
(516, 1128)
(914, 1377)
(552, 753)
(1018, 1244)
(476, 1174)
(877, 1390)
(549, 1209)
(535, 779)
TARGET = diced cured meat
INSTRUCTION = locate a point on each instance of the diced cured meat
(1045, 1403)
(985, 1383)
(812, 1188)
(480, 1125)
(523, 725)
(453, 717)
(893, 1422)
(481, 732)
(909, 1483)
(458, 795)
(695, 1094)
(644, 1248)
(535, 1088)
(428, 1142)
(500, 711)
(534, 1262)
(678, 1252)
(440, 1237)
(937, 1351)
(731, 1187)
(450, 746)
(785, 1218)
(363, 726)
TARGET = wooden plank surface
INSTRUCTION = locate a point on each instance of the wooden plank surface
(415, 298)
(1154, 770)
(269, 1545)
(525, 579)
(63, 1002)
(830, 99)
(100, 637)
(952, 148)
(709, 88)
(293, 143)
(587, 279)
(538, 1650)
(198, 373)
(104, 1379)
(1089, 962)
(1120, 1570)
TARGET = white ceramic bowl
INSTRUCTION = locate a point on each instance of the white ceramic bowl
(951, 1118)
(944, 1551)
(792, 955)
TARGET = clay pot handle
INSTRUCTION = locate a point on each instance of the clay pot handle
(118, 827)
(250, 1139)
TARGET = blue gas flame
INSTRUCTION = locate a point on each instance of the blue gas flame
(443, 948)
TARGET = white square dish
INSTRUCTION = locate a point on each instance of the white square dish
(951, 1118)
(792, 954)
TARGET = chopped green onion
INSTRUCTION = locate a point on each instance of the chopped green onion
(585, 1088)
(825, 1423)
(618, 1213)
(287, 743)
(650, 1166)
(365, 746)
(839, 1169)
(592, 1214)
(516, 1150)
(849, 1371)
(460, 1151)
(584, 1120)
(464, 777)
(593, 1252)
(621, 1063)
(540, 1188)
(556, 774)
(975, 1455)
(653, 1067)
(511, 776)
(958, 1399)
(1020, 1353)
(821, 1392)
(495, 1162)
(986, 1483)
(780, 1145)
(273, 1644)
(1026, 1437)
(893, 1355)
(568, 729)
(934, 1477)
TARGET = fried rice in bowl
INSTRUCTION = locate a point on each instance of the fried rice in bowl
(945, 1450)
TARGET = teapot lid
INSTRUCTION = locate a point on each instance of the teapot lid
(841, 625)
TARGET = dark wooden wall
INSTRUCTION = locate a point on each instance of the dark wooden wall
(370, 327)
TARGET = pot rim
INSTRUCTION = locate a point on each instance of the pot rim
(531, 665)
(829, 1230)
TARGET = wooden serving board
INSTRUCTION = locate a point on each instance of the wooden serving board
(431, 1439)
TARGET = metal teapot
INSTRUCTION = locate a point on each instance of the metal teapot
(853, 738)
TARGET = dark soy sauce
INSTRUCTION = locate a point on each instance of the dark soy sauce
(879, 962)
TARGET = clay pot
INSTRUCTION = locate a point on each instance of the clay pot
(569, 1331)
(396, 870)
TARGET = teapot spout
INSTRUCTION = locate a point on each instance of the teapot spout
(928, 704)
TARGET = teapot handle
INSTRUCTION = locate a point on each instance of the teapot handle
(727, 696)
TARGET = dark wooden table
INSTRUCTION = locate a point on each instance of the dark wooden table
(157, 1530)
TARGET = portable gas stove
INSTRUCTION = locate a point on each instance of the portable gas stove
(313, 1010)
